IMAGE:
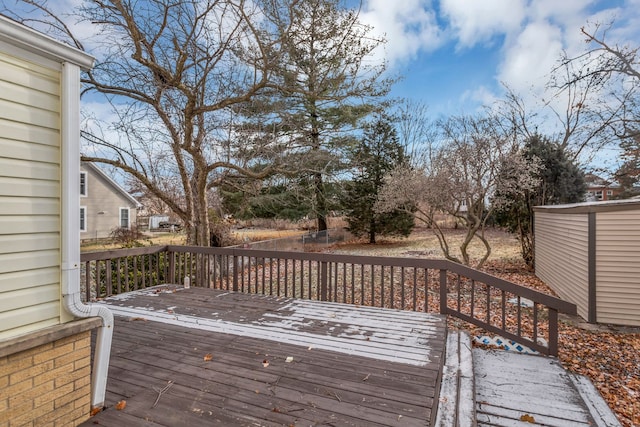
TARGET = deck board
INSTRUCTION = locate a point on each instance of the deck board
(351, 366)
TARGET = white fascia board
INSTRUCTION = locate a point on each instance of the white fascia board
(18, 35)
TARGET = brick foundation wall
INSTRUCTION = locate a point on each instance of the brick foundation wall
(48, 384)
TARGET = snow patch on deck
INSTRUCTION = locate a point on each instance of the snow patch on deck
(383, 334)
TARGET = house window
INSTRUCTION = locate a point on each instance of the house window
(124, 217)
(83, 183)
(599, 195)
(83, 218)
(609, 193)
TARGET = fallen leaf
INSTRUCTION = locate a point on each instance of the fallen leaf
(208, 357)
(95, 411)
(528, 418)
(289, 359)
(121, 405)
(265, 363)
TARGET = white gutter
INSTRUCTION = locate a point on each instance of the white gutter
(70, 176)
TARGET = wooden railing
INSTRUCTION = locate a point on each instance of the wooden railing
(430, 285)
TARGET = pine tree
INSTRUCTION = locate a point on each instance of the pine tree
(378, 153)
(560, 181)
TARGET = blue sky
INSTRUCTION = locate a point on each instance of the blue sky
(454, 54)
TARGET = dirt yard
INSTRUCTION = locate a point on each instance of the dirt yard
(609, 355)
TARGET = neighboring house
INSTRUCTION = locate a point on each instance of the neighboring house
(46, 376)
(599, 190)
(104, 205)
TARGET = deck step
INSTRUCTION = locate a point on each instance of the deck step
(482, 387)
(518, 389)
(456, 405)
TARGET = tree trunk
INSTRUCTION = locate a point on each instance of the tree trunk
(321, 201)
(200, 230)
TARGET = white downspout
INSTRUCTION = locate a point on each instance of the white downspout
(70, 176)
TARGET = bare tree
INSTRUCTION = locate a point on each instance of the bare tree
(174, 73)
(463, 177)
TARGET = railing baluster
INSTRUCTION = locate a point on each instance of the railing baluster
(87, 280)
(382, 286)
(402, 288)
(473, 297)
(488, 304)
(553, 332)
(109, 283)
(504, 310)
(98, 284)
(459, 293)
(373, 285)
(519, 317)
(278, 276)
(535, 322)
(353, 283)
(392, 300)
(443, 292)
(143, 259)
(426, 290)
(362, 284)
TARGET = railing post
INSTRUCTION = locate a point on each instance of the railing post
(323, 280)
(172, 267)
(443, 291)
(553, 332)
(108, 280)
(235, 273)
(87, 278)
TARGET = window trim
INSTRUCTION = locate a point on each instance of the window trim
(86, 187)
(83, 215)
(128, 210)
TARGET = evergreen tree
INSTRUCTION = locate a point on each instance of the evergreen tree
(560, 181)
(378, 153)
(328, 83)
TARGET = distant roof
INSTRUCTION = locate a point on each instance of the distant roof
(113, 183)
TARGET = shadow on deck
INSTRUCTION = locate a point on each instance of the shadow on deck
(274, 361)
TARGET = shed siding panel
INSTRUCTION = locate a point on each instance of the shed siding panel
(618, 267)
(562, 256)
(29, 196)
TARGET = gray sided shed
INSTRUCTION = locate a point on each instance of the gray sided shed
(589, 254)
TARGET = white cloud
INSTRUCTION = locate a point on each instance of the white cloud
(481, 96)
(410, 27)
(476, 22)
(529, 59)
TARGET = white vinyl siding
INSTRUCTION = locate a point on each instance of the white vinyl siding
(29, 196)
(561, 256)
(618, 267)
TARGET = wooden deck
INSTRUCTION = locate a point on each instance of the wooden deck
(274, 361)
